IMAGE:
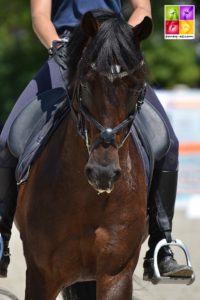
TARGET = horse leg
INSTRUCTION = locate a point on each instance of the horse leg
(118, 286)
(80, 291)
(40, 286)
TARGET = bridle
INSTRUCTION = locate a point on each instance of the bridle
(107, 136)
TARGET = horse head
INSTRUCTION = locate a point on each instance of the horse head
(108, 90)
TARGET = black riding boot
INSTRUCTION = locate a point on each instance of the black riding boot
(8, 197)
(161, 211)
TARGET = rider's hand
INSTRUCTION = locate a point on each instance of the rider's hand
(58, 51)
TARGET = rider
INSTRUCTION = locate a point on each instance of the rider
(53, 20)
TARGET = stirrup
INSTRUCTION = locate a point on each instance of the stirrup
(157, 278)
(1, 247)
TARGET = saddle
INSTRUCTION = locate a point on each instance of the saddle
(34, 126)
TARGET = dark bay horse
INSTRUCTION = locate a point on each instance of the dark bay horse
(82, 213)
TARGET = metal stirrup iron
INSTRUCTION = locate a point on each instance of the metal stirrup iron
(158, 278)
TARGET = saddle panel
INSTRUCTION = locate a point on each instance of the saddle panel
(32, 119)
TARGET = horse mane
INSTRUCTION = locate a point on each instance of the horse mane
(114, 42)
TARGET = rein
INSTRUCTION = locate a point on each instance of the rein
(107, 135)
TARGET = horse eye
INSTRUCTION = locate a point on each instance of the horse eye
(85, 90)
(84, 85)
(131, 93)
(135, 92)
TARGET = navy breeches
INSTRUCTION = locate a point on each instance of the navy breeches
(49, 77)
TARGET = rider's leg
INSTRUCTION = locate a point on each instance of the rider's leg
(47, 78)
(162, 198)
(8, 196)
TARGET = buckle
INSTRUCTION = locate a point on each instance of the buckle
(1, 247)
(158, 278)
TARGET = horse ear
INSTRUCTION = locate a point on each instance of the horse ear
(89, 24)
(144, 29)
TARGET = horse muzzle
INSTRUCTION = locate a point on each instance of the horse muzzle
(102, 178)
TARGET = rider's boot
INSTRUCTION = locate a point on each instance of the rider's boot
(8, 196)
(161, 210)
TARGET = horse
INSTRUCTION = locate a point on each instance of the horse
(82, 212)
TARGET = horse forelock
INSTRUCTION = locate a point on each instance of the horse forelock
(113, 43)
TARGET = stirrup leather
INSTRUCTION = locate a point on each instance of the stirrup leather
(158, 278)
(1, 246)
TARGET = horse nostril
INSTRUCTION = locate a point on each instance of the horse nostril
(117, 174)
(88, 172)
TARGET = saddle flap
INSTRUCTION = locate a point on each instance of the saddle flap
(152, 131)
(34, 116)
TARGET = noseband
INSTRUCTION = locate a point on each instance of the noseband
(107, 135)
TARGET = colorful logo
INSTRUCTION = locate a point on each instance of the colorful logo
(179, 22)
